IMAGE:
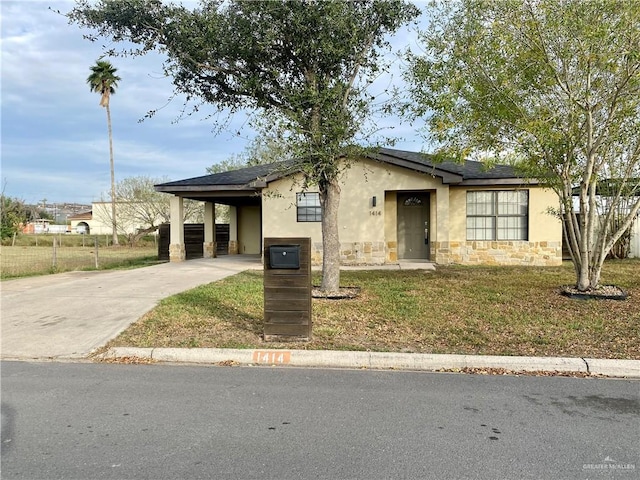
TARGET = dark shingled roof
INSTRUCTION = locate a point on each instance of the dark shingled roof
(256, 177)
(469, 170)
(242, 176)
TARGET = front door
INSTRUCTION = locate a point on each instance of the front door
(413, 225)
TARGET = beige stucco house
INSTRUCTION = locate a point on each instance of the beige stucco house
(394, 205)
(97, 221)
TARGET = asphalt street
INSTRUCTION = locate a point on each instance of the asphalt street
(112, 421)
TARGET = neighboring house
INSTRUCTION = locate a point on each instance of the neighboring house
(97, 221)
(634, 247)
(43, 225)
(80, 222)
(394, 205)
(603, 205)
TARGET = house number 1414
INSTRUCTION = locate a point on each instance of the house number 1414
(271, 357)
(375, 213)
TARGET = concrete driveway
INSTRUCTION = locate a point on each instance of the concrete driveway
(68, 315)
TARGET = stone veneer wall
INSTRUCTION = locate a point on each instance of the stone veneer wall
(465, 253)
(177, 252)
(357, 253)
(209, 249)
(498, 253)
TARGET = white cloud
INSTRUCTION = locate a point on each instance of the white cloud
(54, 135)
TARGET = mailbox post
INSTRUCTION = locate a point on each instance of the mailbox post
(287, 289)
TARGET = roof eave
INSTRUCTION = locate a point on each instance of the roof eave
(177, 189)
(447, 177)
(487, 182)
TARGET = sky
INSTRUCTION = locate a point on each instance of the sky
(54, 140)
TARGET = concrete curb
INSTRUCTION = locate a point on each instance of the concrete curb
(381, 360)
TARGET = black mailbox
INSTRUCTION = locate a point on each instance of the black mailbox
(284, 256)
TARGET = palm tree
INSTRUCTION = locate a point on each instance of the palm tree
(103, 80)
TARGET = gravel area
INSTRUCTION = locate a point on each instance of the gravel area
(607, 292)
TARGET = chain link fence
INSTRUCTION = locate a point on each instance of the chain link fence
(42, 254)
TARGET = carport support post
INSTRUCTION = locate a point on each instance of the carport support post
(233, 230)
(177, 251)
(209, 246)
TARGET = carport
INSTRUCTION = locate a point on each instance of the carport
(240, 190)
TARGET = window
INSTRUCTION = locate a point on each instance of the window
(498, 215)
(413, 202)
(308, 206)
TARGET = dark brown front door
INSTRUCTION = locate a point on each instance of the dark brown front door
(413, 225)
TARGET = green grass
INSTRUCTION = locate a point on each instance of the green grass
(464, 310)
(22, 261)
(71, 240)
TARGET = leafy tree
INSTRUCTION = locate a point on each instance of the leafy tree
(13, 215)
(553, 86)
(262, 150)
(35, 212)
(103, 80)
(141, 209)
(300, 64)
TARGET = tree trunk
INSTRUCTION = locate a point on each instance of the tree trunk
(113, 179)
(594, 278)
(330, 201)
(141, 233)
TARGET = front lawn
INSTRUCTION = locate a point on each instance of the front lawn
(463, 310)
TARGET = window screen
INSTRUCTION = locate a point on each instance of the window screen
(308, 207)
(498, 215)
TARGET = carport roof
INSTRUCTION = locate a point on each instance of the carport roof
(250, 177)
(235, 187)
(232, 186)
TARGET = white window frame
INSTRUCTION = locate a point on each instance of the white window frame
(497, 215)
(308, 208)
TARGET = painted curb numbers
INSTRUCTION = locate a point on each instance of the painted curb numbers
(271, 357)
